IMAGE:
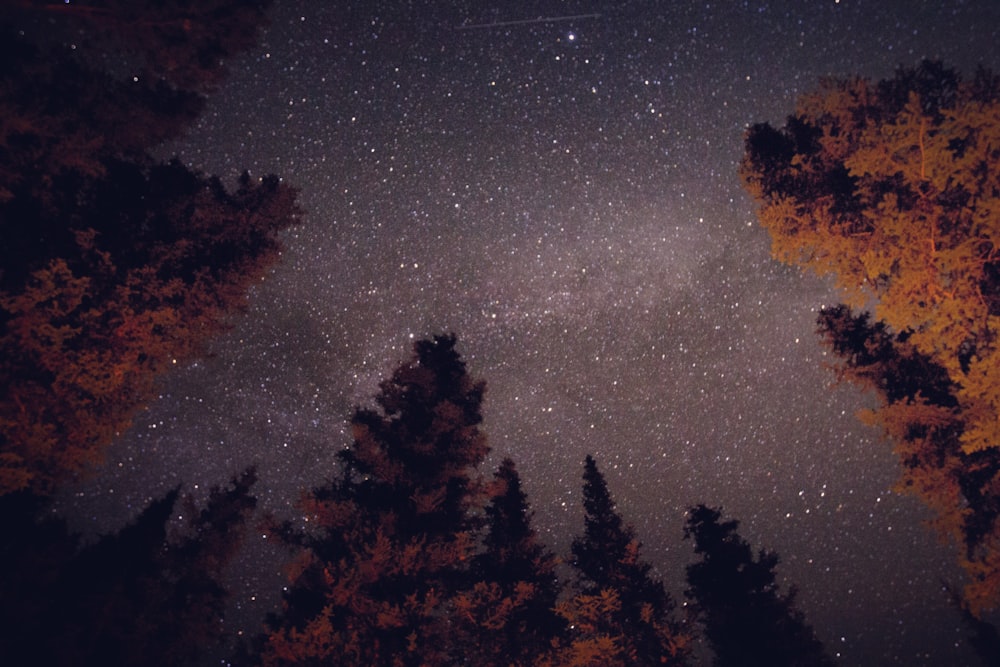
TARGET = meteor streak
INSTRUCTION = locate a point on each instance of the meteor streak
(541, 19)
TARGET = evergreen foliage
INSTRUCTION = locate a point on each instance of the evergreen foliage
(411, 559)
(375, 584)
(893, 189)
(114, 266)
(622, 614)
(144, 595)
(747, 620)
(509, 613)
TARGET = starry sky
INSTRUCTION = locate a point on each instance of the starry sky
(556, 183)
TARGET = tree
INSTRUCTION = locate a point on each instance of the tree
(747, 621)
(622, 614)
(395, 533)
(143, 595)
(894, 190)
(983, 636)
(114, 266)
(65, 109)
(508, 615)
(890, 188)
(85, 336)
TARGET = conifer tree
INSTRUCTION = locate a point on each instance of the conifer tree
(747, 620)
(508, 614)
(395, 533)
(143, 595)
(893, 189)
(622, 614)
(114, 266)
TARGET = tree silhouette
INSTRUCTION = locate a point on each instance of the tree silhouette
(893, 189)
(143, 595)
(179, 43)
(983, 636)
(747, 621)
(622, 614)
(508, 615)
(395, 534)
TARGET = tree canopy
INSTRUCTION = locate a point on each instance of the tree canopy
(392, 538)
(893, 188)
(114, 266)
(148, 594)
(748, 621)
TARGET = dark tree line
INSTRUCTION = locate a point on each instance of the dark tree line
(411, 557)
(149, 594)
(408, 556)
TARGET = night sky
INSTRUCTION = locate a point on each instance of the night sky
(556, 183)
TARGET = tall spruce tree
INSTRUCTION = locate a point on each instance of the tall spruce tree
(508, 613)
(622, 614)
(747, 620)
(395, 535)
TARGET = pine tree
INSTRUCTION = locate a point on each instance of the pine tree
(747, 620)
(508, 613)
(893, 189)
(142, 595)
(114, 266)
(622, 614)
(396, 532)
(161, 257)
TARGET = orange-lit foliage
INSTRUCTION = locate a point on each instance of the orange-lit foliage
(508, 617)
(83, 340)
(396, 533)
(113, 267)
(893, 189)
(396, 569)
(622, 614)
